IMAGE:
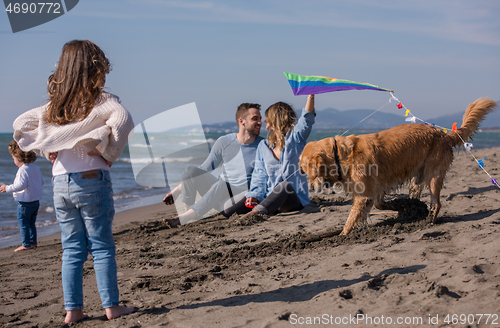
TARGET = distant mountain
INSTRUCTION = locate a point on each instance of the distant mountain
(331, 118)
(224, 127)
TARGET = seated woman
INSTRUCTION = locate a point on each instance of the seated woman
(277, 185)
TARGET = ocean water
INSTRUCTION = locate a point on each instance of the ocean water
(182, 149)
(171, 152)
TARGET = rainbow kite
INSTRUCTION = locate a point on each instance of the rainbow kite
(309, 85)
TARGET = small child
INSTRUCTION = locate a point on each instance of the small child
(27, 189)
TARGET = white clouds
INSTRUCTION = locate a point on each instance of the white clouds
(459, 20)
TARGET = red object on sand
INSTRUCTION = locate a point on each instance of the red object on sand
(251, 205)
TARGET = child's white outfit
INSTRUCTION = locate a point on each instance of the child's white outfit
(27, 190)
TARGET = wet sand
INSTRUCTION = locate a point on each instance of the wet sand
(290, 269)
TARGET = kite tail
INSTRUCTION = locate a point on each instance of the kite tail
(473, 116)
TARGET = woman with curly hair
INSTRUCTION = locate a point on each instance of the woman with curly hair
(277, 184)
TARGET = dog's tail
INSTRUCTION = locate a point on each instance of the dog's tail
(474, 114)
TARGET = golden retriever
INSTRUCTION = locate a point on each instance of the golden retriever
(371, 165)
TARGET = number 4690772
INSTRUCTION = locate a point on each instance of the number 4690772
(471, 319)
(34, 8)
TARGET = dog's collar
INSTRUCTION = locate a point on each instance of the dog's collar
(337, 160)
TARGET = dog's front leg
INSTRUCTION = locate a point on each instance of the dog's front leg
(359, 213)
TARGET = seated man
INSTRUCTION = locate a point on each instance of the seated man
(235, 155)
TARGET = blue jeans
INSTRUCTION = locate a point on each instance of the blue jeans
(84, 208)
(26, 218)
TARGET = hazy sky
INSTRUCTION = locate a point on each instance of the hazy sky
(438, 56)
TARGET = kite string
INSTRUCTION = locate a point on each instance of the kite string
(410, 113)
(480, 166)
(365, 118)
(413, 118)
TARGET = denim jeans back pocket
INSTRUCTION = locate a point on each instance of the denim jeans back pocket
(61, 207)
(89, 204)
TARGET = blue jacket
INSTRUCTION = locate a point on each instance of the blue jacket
(269, 172)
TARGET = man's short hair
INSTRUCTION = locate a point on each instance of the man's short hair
(243, 110)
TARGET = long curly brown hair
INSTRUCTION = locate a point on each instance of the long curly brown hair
(22, 156)
(76, 85)
(282, 119)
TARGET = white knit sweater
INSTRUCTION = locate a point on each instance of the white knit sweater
(109, 122)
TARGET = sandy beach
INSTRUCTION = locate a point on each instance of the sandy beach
(290, 269)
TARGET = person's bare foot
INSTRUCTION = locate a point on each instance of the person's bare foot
(185, 217)
(74, 316)
(23, 248)
(173, 222)
(249, 214)
(117, 311)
